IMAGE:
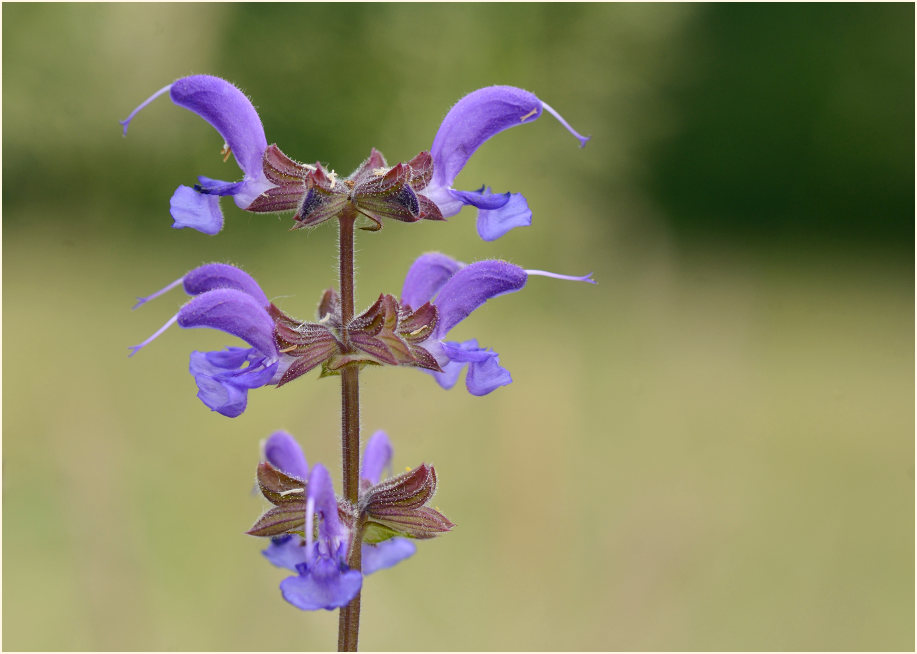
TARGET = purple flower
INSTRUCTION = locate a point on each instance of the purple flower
(474, 119)
(323, 579)
(231, 113)
(457, 289)
(227, 299)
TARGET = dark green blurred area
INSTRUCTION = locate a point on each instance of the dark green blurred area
(795, 121)
(712, 449)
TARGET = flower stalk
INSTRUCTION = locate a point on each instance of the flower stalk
(349, 618)
(328, 542)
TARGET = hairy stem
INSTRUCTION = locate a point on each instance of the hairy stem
(349, 619)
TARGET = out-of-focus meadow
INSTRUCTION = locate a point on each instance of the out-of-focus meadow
(711, 449)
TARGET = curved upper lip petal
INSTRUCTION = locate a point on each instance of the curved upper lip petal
(230, 112)
(471, 287)
(474, 119)
(479, 116)
(234, 312)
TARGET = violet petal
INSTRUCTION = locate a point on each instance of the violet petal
(486, 376)
(217, 186)
(471, 287)
(234, 312)
(386, 554)
(230, 112)
(196, 210)
(286, 551)
(484, 371)
(212, 276)
(492, 224)
(474, 119)
(321, 586)
(450, 374)
(483, 199)
(225, 377)
(426, 277)
(283, 452)
(321, 492)
(376, 457)
(224, 398)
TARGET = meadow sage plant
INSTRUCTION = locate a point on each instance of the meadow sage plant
(329, 542)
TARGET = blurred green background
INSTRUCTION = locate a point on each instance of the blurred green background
(712, 449)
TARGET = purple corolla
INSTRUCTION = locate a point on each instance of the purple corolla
(228, 299)
(472, 121)
(231, 113)
(456, 289)
(323, 579)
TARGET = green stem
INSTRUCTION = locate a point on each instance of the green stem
(349, 618)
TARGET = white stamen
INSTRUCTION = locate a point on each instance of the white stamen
(310, 511)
